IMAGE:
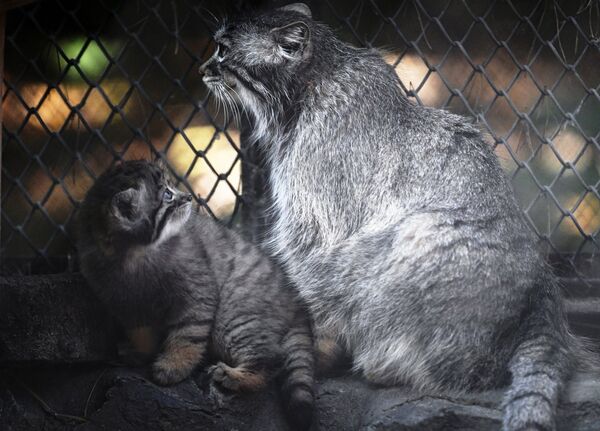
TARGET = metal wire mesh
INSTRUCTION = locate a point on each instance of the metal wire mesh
(91, 82)
(87, 85)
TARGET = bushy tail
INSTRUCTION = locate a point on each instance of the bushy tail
(544, 359)
(298, 375)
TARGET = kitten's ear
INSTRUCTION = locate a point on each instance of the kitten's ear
(161, 163)
(293, 39)
(298, 7)
(129, 220)
(122, 204)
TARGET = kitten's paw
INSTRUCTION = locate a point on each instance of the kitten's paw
(167, 373)
(219, 376)
(236, 379)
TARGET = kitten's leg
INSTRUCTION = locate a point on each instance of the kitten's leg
(185, 346)
(297, 382)
(143, 339)
(252, 353)
(142, 346)
(240, 378)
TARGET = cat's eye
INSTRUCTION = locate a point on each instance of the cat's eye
(168, 195)
(221, 52)
(288, 49)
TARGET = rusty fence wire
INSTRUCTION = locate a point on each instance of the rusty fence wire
(88, 83)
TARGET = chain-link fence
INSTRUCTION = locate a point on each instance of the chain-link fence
(87, 83)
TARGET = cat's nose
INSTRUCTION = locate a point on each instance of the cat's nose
(189, 197)
(202, 69)
(208, 72)
(205, 68)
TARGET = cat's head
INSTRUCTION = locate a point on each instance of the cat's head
(257, 60)
(133, 203)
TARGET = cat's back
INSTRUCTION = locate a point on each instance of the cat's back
(233, 259)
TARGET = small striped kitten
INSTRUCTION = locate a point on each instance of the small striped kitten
(172, 275)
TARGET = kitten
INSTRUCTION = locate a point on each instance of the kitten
(157, 263)
(394, 221)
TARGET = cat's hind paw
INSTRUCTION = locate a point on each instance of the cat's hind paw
(236, 378)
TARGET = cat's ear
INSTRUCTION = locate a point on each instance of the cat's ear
(129, 220)
(161, 163)
(123, 204)
(298, 7)
(293, 39)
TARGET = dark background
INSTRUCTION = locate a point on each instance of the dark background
(87, 83)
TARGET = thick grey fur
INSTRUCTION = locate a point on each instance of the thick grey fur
(395, 221)
(205, 292)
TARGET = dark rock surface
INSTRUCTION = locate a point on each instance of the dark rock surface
(52, 318)
(58, 372)
(98, 397)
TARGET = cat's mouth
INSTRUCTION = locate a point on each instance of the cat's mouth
(185, 201)
(183, 210)
(219, 80)
(208, 79)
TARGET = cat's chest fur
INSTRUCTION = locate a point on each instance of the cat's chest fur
(153, 270)
(144, 262)
(137, 259)
(305, 212)
(316, 206)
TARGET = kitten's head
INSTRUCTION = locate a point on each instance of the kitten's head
(258, 60)
(133, 203)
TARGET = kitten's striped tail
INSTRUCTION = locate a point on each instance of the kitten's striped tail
(298, 375)
(542, 362)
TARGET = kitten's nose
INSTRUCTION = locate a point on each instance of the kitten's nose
(189, 197)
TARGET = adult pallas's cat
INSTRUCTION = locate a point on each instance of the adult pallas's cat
(394, 221)
(157, 263)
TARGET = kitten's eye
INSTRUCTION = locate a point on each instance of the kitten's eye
(168, 195)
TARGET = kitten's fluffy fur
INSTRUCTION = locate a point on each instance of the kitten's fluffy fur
(395, 221)
(156, 263)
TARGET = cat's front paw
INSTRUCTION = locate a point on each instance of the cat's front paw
(167, 373)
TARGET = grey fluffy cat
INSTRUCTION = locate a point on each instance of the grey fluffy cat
(395, 221)
(158, 264)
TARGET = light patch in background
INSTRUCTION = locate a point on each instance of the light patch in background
(55, 109)
(567, 144)
(522, 144)
(412, 71)
(587, 214)
(90, 58)
(221, 155)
